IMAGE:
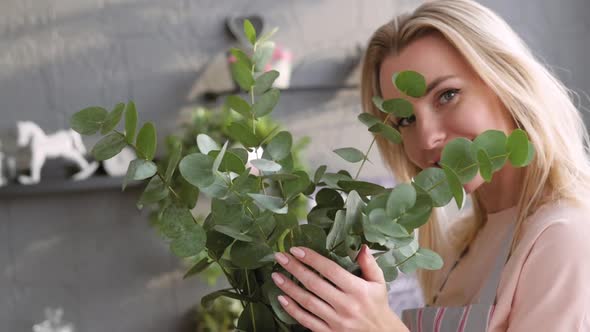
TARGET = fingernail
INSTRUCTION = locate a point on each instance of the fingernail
(297, 252)
(277, 278)
(283, 300)
(281, 258)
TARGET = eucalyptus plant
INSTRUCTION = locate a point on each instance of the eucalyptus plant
(248, 223)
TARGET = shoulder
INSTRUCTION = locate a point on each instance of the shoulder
(560, 222)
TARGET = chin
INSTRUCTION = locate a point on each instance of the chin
(474, 184)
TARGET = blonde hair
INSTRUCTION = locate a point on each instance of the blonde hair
(538, 102)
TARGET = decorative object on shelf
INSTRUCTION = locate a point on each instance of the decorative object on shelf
(117, 166)
(66, 144)
(53, 322)
(3, 179)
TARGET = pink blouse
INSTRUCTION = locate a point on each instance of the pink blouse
(545, 286)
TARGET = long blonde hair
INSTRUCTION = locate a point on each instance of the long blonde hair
(538, 102)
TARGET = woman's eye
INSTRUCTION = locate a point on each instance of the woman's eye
(403, 122)
(448, 96)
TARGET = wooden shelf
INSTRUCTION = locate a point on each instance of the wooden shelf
(60, 186)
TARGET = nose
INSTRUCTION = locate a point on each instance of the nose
(430, 131)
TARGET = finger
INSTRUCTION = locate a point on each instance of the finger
(303, 317)
(305, 299)
(326, 267)
(312, 281)
(369, 267)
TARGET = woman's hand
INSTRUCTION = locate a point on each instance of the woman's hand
(353, 304)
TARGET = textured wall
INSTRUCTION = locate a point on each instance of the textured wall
(59, 56)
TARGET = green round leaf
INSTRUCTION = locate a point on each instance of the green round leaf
(266, 165)
(206, 144)
(380, 228)
(250, 255)
(230, 162)
(112, 119)
(264, 82)
(265, 103)
(109, 146)
(319, 173)
(387, 264)
(517, 146)
(363, 188)
(485, 165)
(262, 316)
(240, 153)
(89, 120)
(272, 292)
(401, 199)
(262, 55)
(190, 243)
(332, 179)
(368, 119)
(219, 158)
(175, 221)
(241, 57)
(401, 108)
(351, 155)
(242, 134)
(217, 243)
(249, 31)
(493, 142)
(386, 131)
(433, 181)
(130, 122)
(239, 105)
(327, 197)
(458, 156)
(196, 169)
(280, 146)
(233, 232)
(313, 237)
(271, 203)
(417, 215)
(146, 141)
(378, 102)
(155, 191)
(455, 185)
(242, 75)
(175, 153)
(428, 259)
(293, 188)
(410, 83)
(140, 169)
(337, 234)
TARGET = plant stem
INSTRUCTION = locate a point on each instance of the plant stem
(366, 156)
(250, 294)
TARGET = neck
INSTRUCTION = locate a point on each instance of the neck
(504, 190)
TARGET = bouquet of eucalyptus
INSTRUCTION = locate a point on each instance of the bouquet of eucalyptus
(250, 220)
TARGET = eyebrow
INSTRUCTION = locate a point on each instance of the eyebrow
(436, 82)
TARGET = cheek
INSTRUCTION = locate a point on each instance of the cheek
(411, 151)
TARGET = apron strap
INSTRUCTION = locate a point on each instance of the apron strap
(487, 294)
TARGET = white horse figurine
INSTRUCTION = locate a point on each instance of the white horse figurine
(66, 144)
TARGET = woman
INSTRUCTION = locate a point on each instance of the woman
(520, 262)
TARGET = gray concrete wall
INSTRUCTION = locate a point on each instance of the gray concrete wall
(93, 253)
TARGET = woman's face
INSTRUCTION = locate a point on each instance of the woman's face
(457, 103)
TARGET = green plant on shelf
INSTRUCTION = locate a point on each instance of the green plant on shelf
(250, 221)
